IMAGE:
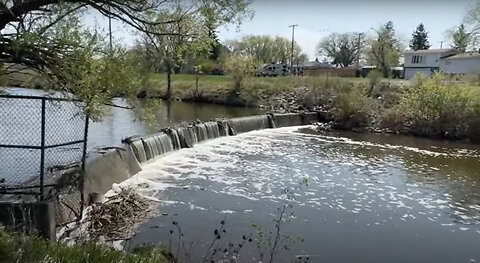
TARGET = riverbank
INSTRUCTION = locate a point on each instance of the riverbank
(437, 107)
(21, 248)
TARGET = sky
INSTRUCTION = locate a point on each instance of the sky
(318, 18)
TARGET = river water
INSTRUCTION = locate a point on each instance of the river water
(369, 198)
(20, 125)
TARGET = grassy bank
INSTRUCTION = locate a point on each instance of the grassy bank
(21, 248)
(436, 107)
(255, 91)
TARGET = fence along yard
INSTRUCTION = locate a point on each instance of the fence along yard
(42, 139)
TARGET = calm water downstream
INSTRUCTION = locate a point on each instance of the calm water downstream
(370, 198)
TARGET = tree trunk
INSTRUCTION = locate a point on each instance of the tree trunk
(169, 82)
(385, 71)
(197, 95)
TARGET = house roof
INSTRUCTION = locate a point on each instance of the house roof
(470, 55)
(429, 51)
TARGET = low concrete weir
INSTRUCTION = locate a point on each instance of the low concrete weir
(106, 167)
(146, 148)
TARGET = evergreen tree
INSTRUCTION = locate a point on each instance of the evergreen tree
(420, 39)
(460, 38)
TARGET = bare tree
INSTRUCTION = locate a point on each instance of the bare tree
(267, 49)
(343, 49)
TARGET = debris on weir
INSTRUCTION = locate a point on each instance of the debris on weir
(119, 216)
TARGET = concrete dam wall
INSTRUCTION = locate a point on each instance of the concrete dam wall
(105, 167)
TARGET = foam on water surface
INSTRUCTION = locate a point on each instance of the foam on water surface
(393, 189)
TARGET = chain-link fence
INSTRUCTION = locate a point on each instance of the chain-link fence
(42, 147)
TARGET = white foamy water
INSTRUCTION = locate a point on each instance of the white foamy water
(403, 193)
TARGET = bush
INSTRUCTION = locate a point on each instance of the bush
(374, 77)
(353, 109)
(238, 68)
(322, 91)
(393, 119)
(437, 107)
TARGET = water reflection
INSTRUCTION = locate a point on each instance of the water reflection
(150, 116)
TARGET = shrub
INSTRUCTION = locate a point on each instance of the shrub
(353, 109)
(238, 68)
(437, 107)
(322, 91)
(393, 119)
(374, 78)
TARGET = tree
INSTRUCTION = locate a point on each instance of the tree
(267, 49)
(47, 37)
(472, 21)
(460, 38)
(420, 39)
(384, 50)
(238, 67)
(344, 49)
(185, 36)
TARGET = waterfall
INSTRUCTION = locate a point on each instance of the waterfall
(187, 136)
(173, 133)
(223, 128)
(149, 147)
(208, 130)
(139, 151)
(246, 124)
(164, 143)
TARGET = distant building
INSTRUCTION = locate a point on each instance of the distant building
(317, 68)
(394, 72)
(425, 61)
(465, 63)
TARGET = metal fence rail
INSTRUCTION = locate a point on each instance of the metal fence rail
(43, 142)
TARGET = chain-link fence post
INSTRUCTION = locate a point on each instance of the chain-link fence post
(84, 157)
(42, 151)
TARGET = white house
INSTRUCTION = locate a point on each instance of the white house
(425, 61)
(465, 63)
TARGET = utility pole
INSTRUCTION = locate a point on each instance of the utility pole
(359, 47)
(441, 44)
(293, 41)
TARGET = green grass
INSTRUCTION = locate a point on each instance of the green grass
(22, 248)
(220, 87)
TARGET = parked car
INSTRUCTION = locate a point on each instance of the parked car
(273, 70)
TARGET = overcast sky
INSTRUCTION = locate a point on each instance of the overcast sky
(318, 18)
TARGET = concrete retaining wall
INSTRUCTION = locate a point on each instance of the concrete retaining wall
(31, 216)
(106, 167)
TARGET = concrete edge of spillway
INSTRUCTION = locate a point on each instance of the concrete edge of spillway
(107, 166)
